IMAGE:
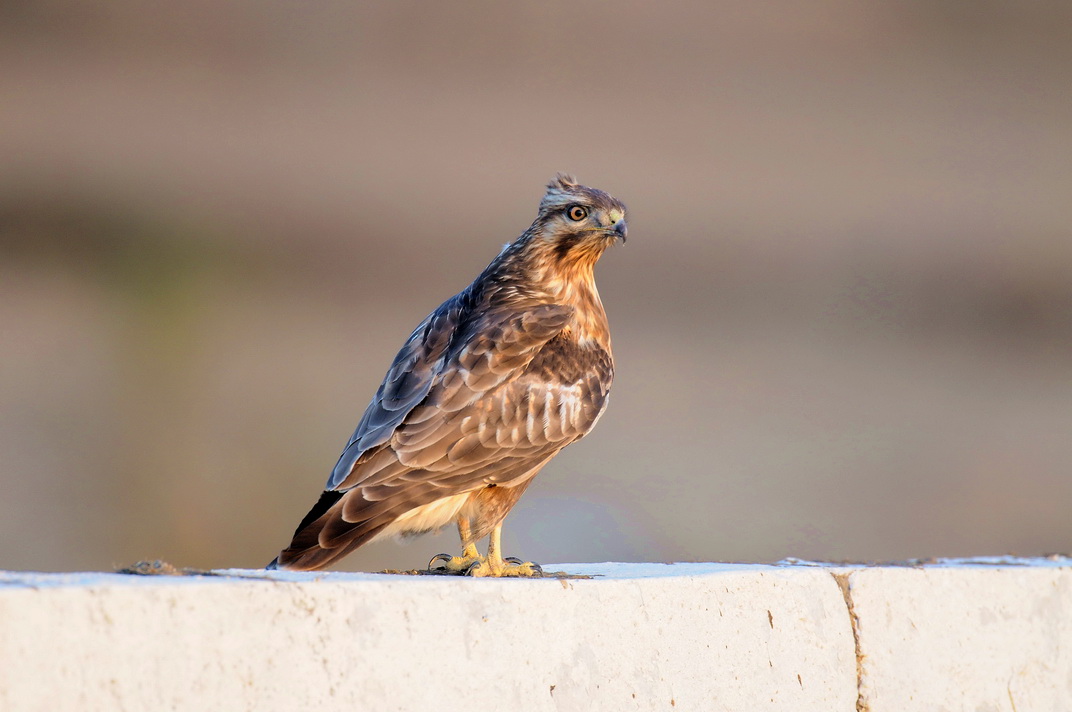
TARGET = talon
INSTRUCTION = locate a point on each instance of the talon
(528, 569)
(524, 568)
(475, 569)
(445, 558)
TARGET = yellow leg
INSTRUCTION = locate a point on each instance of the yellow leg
(473, 564)
(495, 565)
(468, 545)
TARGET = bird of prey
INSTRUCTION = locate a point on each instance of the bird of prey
(484, 392)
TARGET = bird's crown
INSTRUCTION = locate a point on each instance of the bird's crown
(562, 181)
(564, 189)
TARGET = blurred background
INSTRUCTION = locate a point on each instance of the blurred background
(842, 323)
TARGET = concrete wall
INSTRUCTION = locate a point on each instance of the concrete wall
(985, 635)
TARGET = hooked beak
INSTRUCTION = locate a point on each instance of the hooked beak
(620, 230)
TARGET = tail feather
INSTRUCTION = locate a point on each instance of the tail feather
(327, 500)
(317, 557)
(342, 521)
(307, 553)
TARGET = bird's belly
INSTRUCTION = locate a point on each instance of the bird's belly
(426, 518)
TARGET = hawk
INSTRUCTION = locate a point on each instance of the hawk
(483, 394)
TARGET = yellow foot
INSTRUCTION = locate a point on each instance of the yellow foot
(481, 566)
(511, 566)
(459, 565)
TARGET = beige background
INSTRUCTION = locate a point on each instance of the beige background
(843, 320)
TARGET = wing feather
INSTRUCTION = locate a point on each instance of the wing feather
(406, 384)
(448, 363)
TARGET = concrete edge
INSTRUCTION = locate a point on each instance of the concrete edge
(952, 634)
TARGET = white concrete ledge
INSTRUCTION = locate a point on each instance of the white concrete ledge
(990, 635)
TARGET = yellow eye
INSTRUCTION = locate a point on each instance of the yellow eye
(577, 213)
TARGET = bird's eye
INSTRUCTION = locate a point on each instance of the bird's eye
(577, 213)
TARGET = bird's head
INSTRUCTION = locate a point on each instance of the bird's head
(576, 223)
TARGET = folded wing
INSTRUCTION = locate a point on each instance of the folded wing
(459, 410)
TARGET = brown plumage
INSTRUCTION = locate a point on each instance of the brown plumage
(485, 391)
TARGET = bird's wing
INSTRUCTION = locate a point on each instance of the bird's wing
(448, 362)
(454, 443)
(503, 394)
(407, 383)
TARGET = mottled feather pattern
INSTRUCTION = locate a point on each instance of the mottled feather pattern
(487, 389)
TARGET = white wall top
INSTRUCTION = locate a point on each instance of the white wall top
(952, 635)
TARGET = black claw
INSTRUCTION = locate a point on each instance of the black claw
(470, 567)
(439, 557)
(535, 567)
